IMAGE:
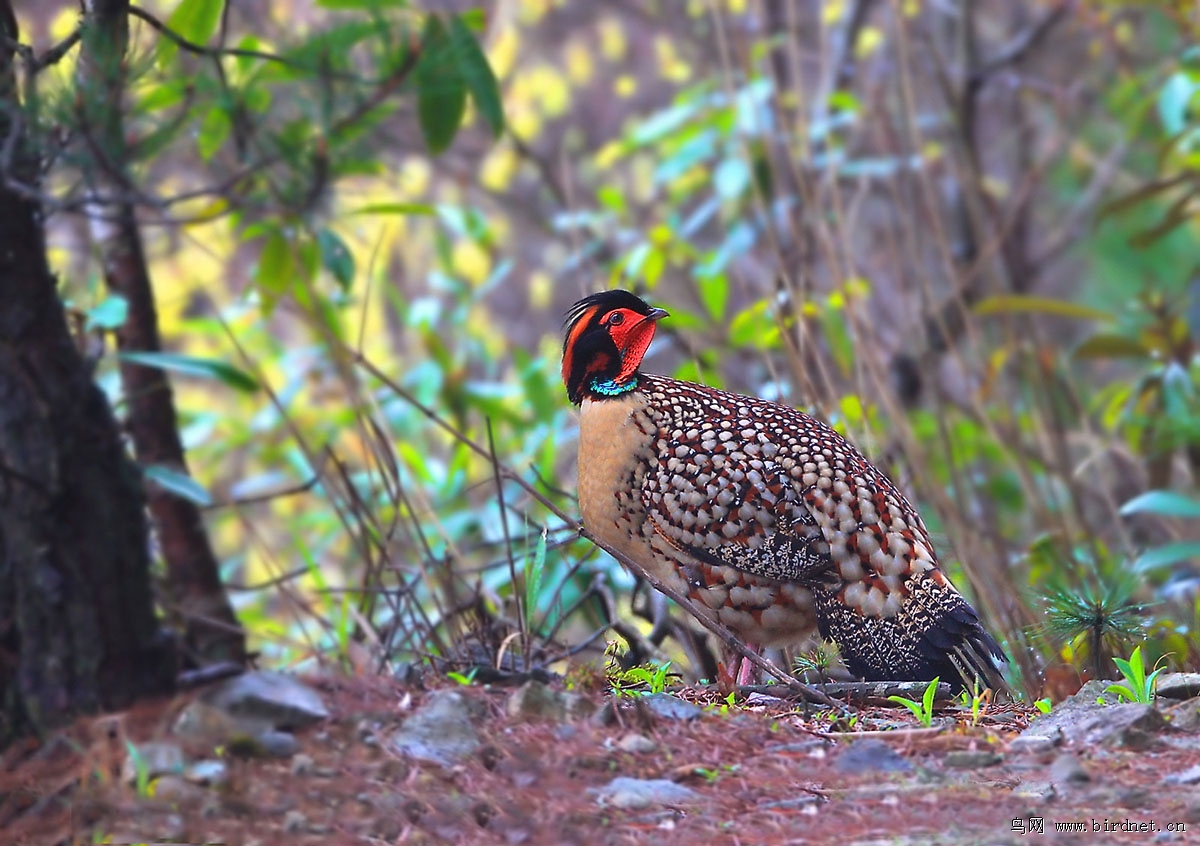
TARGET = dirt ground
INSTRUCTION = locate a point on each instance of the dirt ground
(762, 774)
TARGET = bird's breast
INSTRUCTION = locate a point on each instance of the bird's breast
(613, 441)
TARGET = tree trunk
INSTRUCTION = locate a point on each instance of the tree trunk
(78, 630)
(196, 597)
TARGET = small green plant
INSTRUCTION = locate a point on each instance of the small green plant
(815, 662)
(977, 700)
(837, 721)
(141, 770)
(922, 710)
(465, 679)
(1137, 687)
(644, 679)
(1043, 704)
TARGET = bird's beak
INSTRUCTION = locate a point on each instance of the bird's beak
(657, 314)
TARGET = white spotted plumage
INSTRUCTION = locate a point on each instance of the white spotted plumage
(764, 515)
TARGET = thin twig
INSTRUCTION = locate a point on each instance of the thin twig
(727, 637)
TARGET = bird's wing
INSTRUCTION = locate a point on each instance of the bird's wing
(781, 496)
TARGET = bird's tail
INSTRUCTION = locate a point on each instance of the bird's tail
(937, 633)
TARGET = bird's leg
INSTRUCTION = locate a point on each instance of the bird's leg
(747, 673)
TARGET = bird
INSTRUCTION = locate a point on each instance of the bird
(765, 517)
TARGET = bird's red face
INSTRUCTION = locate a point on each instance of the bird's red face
(607, 338)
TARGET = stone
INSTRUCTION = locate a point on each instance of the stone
(302, 764)
(441, 731)
(205, 723)
(1095, 717)
(178, 792)
(1189, 776)
(636, 743)
(1184, 716)
(294, 822)
(1035, 744)
(1132, 726)
(150, 760)
(1067, 770)
(279, 744)
(635, 793)
(668, 707)
(284, 700)
(1178, 685)
(870, 756)
(971, 759)
(208, 772)
(537, 700)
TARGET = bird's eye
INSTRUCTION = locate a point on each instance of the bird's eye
(616, 319)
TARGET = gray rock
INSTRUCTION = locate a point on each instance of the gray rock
(971, 759)
(209, 772)
(1093, 716)
(279, 744)
(535, 700)
(151, 760)
(636, 743)
(1184, 716)
(1035, 744)
(669, 707)
(1178, 685)
(1189, 776)
(178, 792)
(634, 793)
(1040, 790)
(870, 756)
(284, 700)
(294, 822)
(441, 731)
(302, 765)
(1067, 770)
(1132, 726)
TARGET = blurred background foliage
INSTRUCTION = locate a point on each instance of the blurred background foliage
(964, 232)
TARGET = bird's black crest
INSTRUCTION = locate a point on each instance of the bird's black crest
(607, 300)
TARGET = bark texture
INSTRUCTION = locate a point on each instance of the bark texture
(196, 598)
(78, 630)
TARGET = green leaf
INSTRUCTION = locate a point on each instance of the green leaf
(1165, 503)
(441, 88)
(214, 129)
(478, 75)
(1167, 554)
(276, 267)
(180, 484)
(1173, 101)
(1021, 304)
(1104, 345)
(194, 20)
(369, 5)
(731, 178)
(336, 258)
(535, 567)
(109, 314)
(396, 208)
(193, 366)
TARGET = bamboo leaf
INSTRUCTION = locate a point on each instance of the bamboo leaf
(1165, 503)
(477, 74)
(1022, 304)
(441, 87)
(1111, 345)
(180, 484)
(187, 365)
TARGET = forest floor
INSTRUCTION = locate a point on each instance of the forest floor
(594, 768)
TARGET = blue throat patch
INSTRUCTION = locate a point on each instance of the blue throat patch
(612, 389)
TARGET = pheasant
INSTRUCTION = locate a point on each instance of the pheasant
(768, 519)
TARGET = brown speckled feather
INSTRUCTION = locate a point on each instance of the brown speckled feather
(776, 523)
